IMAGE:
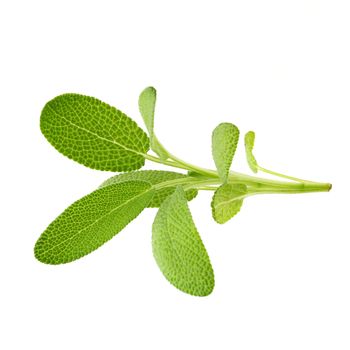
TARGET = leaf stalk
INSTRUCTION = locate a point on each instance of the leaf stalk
(255, 184)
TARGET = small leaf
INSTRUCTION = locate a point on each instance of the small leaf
(249, 140)
(91, 221)
(224, 143)
(153, 177)
(147, 104)
(227, 201)
(93, 133)
(178, 248)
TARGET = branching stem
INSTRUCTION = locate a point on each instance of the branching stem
(209, 179)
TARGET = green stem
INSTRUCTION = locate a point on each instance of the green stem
(287, 187)
(282, 175)
(203, 184)
(188, 166)
(294, 188)
(165, 162)
(206, 188)
(188, 182)
(256, 184)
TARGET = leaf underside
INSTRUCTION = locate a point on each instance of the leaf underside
(224, 143)
(153, 177)
(249, 140)
(147, 104)
(93, 133)
(227, 201)
(178, 248)
(91, 221)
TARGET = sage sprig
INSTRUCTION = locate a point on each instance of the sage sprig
(101, 137)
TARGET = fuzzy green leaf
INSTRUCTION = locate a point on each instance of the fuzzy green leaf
(178, 248)
(249, 140)
(154, 177)
(193, 173)
(227, 201)
(147, 104)
(93, 133)
(224, 143)
(91, 221)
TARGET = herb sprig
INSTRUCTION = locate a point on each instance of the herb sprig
(101, 137)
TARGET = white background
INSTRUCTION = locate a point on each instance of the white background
(282, 265)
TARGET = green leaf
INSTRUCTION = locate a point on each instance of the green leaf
(154, 177)
(91, 221)
(224, 143)
(249, 140)
(147, 104)
(93, 133)
(227, 201)
(178, 248)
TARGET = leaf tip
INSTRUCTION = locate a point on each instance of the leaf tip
(148, 92)
(39, 253)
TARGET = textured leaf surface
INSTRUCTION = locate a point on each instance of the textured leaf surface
(224, 143)
(154, 177)
(249, 140)
(91, 221)
(227, 201)
(93, 133)
(178, 248)
(147, 104)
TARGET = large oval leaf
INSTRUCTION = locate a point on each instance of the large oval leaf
(93, 133)
(154, 177)
(91, 221)
(178, 248)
